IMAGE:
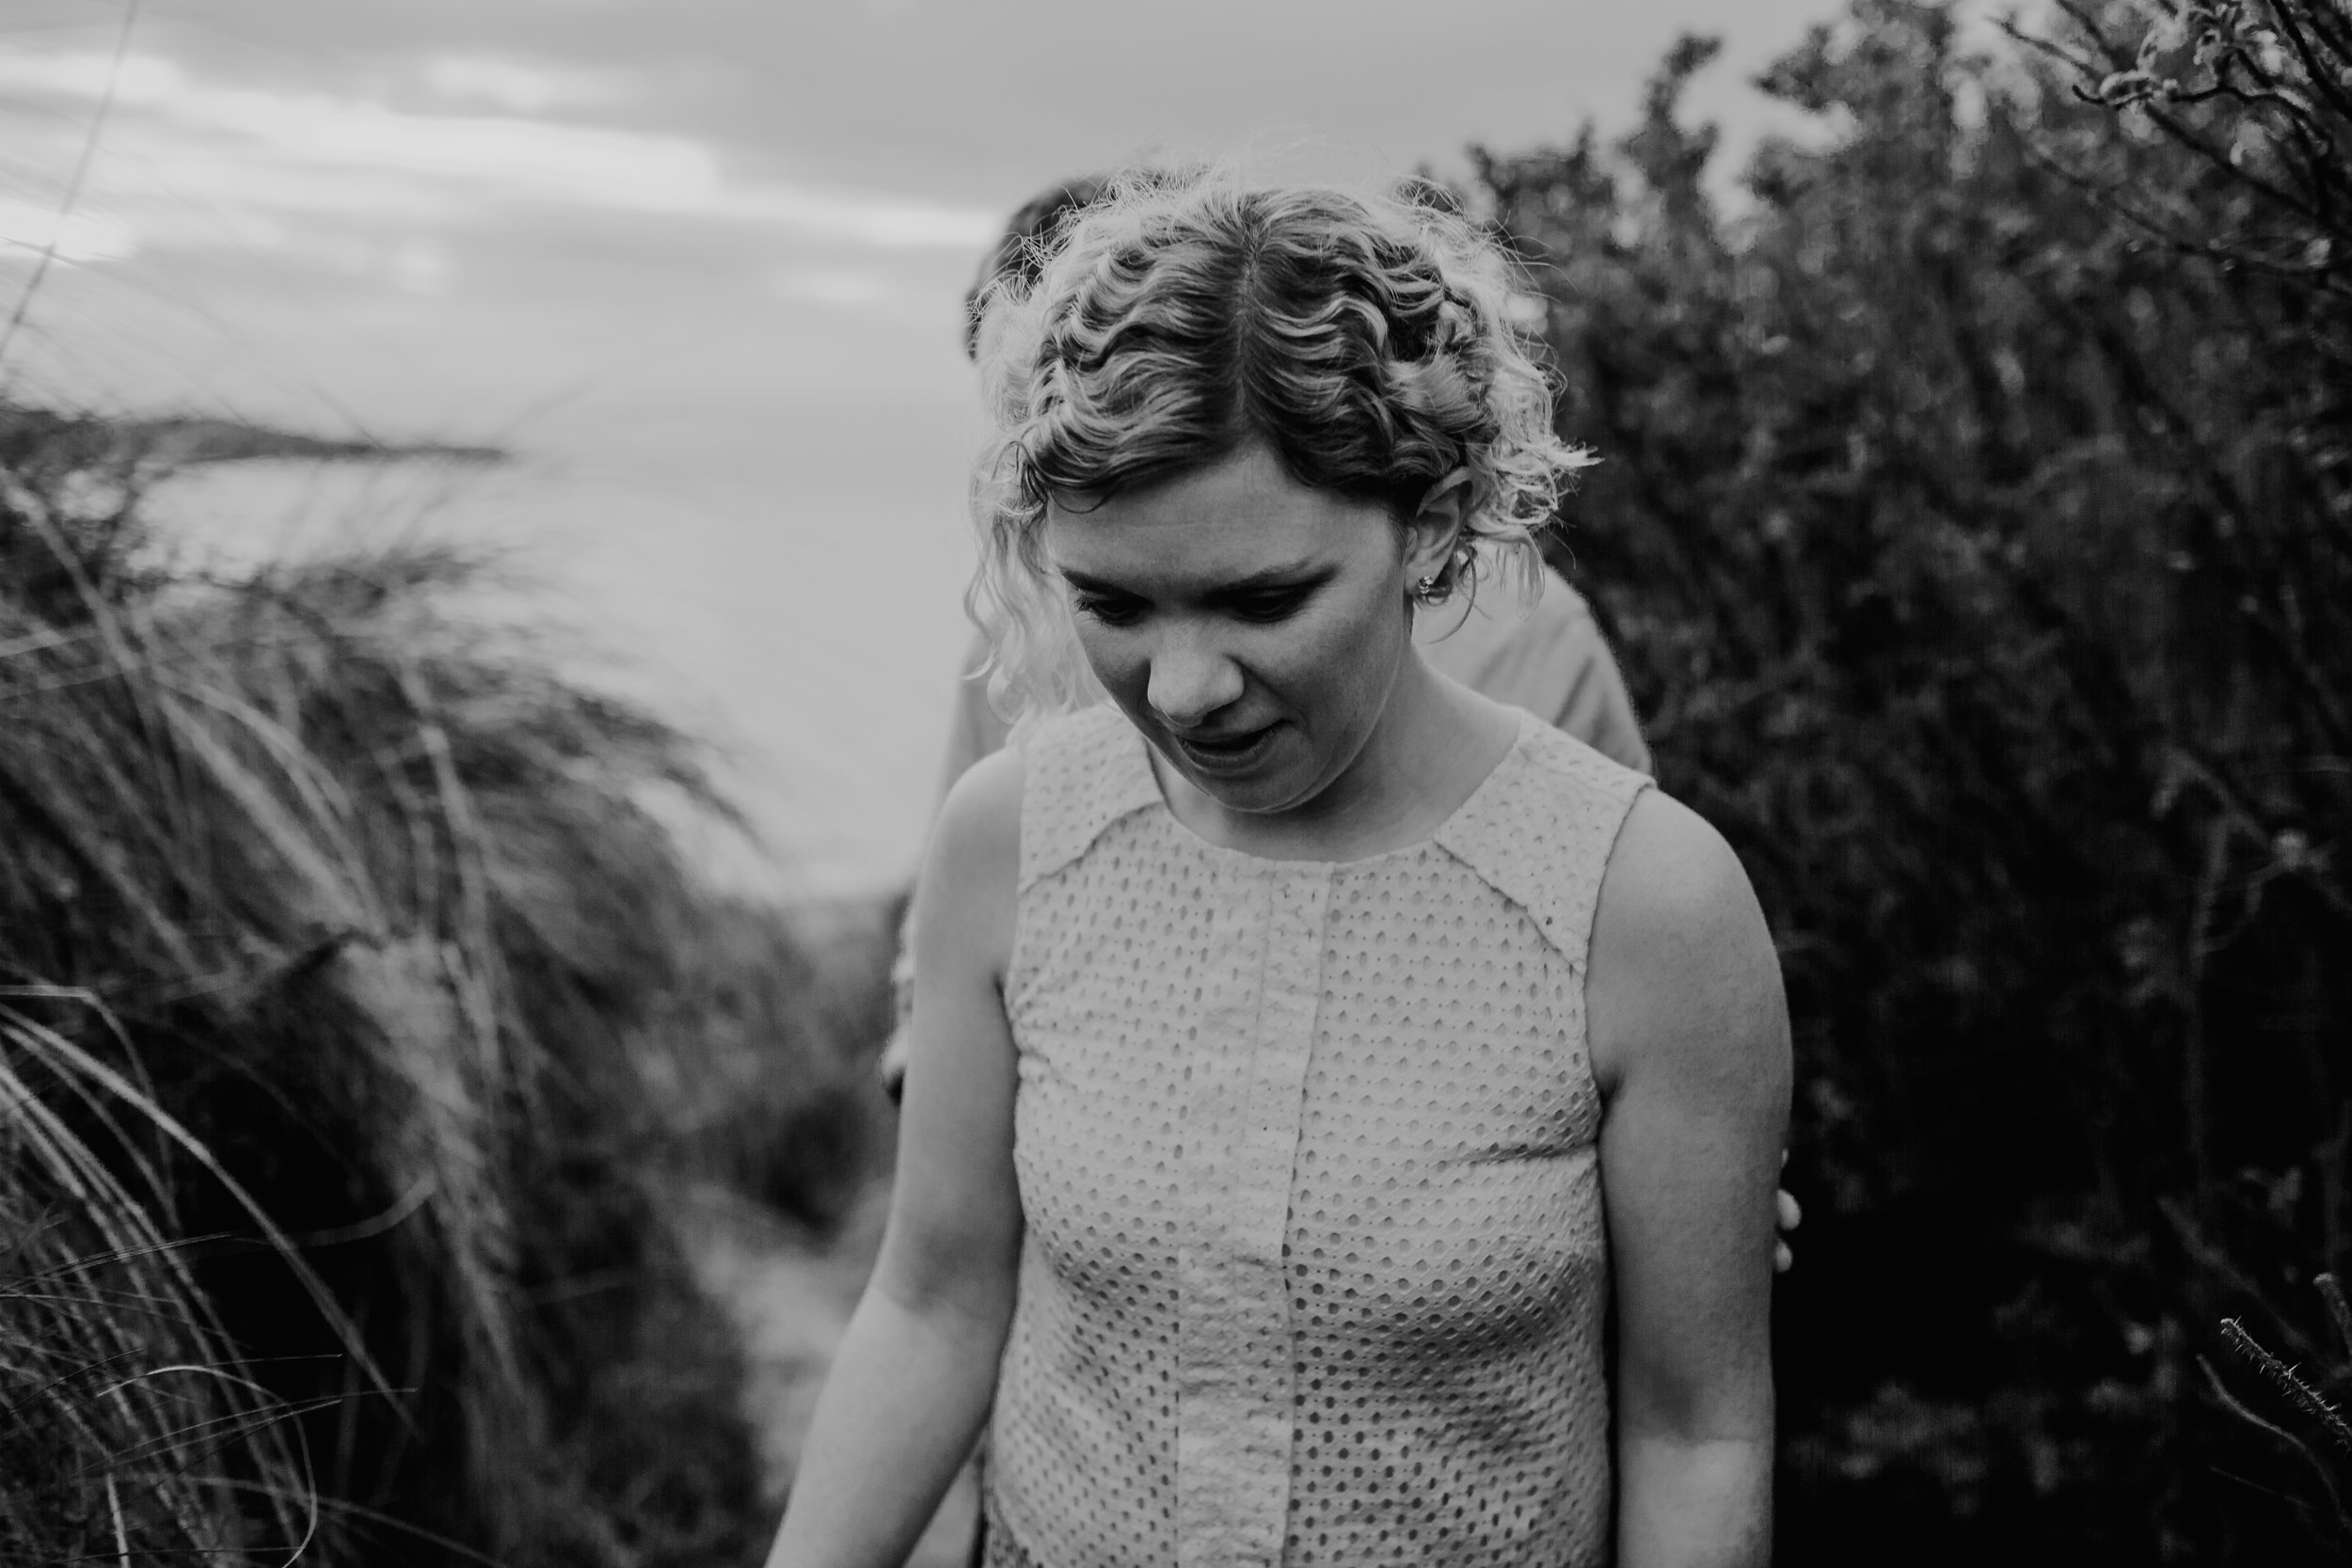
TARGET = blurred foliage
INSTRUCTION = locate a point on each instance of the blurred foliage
(343, 960)
(780, 1100)
(1975, 525)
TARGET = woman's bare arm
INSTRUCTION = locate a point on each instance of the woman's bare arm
(913, 1377)
(1690, 1036)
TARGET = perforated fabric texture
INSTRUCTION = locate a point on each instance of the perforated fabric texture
(1313, 1269)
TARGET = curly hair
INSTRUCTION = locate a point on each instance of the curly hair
(1364, 339)
(1019, 255)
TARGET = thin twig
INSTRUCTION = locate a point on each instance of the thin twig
(2239, 1409)
(2289, 1383)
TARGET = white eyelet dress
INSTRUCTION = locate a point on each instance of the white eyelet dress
(1313, 1270)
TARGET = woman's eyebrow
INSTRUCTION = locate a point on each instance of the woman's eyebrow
(1298, 573)
(1086, 585)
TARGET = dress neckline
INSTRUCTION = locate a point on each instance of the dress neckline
(1138, 753)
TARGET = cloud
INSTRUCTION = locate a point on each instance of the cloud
(189, 163)
(27, 227)
(142, 79)
(520, 87)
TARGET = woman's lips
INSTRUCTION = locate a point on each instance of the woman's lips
(1232, 753)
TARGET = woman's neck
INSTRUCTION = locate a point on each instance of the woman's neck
(1434, 744)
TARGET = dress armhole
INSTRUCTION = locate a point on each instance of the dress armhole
(1543, 830)
(1080, 773)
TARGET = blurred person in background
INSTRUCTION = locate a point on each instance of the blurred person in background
(1309, 1056)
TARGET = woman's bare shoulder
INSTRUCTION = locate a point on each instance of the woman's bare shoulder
(1682, 964)
(1671, 869)
(965, 894)
(981, 815)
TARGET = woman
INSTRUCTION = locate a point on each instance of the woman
(1546, 657)
(1309, 1055)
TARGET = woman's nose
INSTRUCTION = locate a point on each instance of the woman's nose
(1190, 681)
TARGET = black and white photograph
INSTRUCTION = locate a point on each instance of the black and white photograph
(1271, 783)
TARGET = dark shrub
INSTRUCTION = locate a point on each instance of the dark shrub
(1982, 557)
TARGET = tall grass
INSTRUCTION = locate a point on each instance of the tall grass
(128, 1419)
(339, 951)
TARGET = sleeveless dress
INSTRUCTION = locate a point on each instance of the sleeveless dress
(1313, 1269)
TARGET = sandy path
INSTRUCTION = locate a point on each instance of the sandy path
(791, 1293)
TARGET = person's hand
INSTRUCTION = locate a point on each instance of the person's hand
(1787, 1216)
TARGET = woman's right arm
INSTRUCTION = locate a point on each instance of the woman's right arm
(914, 1374)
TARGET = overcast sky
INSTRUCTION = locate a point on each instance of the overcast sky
(700, 262)
(450, 215)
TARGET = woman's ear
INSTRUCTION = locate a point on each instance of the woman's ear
(1434, 531)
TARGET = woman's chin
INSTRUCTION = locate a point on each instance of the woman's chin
(1259, 777)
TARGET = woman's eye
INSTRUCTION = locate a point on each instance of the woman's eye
(1111, 612)
(1271, 607)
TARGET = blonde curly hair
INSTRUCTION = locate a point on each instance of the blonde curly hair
(1365, 339)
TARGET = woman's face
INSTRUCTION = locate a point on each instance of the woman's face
(1249, 625)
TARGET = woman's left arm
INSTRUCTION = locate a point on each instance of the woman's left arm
(1689, 1039)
